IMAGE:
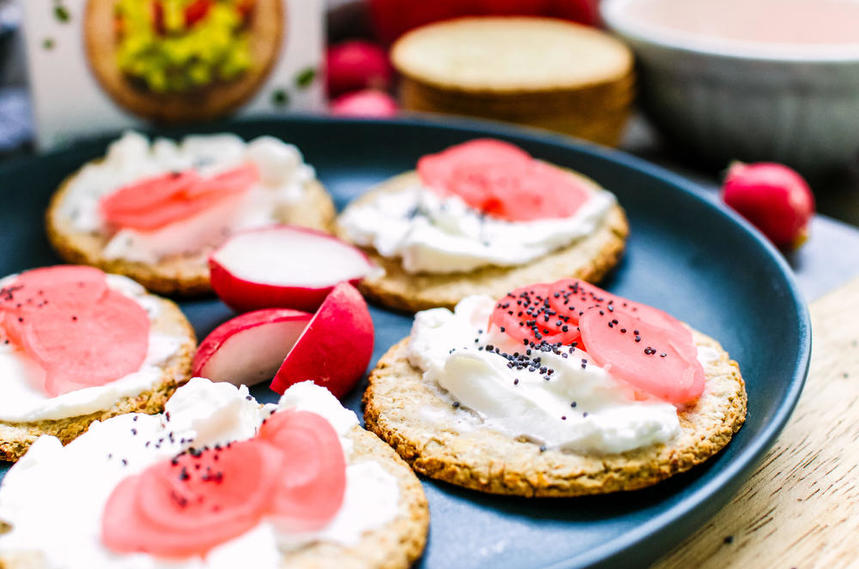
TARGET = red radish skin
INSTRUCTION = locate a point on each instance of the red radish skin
(244, 285)
(368, 103)
(774, 198)
(356, 65)
(249, 349)
(335, 348)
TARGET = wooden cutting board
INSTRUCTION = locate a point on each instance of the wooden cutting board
(800, 509)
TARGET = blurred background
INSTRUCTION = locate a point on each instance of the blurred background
(712, 81)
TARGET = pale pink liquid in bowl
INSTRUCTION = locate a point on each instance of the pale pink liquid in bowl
(786, 22)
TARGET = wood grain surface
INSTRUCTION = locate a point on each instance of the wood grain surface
(800, 509)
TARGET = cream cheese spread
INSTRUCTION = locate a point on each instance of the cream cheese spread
(54, 496)
(557, 397)
(436, 234)
(283, 177)
(22, 401)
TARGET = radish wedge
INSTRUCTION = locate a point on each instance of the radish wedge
(283, 266)
(250, 348)
(335, 348)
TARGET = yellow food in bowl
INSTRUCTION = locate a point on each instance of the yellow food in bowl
(174, 46)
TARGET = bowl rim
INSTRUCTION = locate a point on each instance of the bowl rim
(613, 15)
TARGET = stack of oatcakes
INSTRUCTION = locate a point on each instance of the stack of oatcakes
(534, 71)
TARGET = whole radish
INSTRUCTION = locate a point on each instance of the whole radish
(774, 198)
(356, 65)
(368, 103)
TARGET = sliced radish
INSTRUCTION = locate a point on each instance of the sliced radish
(335, 348)
(61, 284)
(368, 103)
(87, 345)
(155, 202)
(193, 502)
(314, 475)
(526, 315)
(503, 181)
(283, 266)
(640, 349)
(249, 348)
(550, 312)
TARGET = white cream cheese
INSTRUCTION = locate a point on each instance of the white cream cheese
(54, 496)
(283, 177)
(444, 235)
(565, 401)
(22, 401)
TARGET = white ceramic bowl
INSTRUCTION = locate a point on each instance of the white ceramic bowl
(732, 100)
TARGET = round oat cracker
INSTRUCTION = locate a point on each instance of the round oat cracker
(184, 275)
(590, 259)
(398, 404)
(16, 438)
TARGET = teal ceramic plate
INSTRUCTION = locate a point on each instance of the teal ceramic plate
(687, 255)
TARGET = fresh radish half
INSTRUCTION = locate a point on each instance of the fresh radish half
(250, 348)
(283, 266)
(335, 348)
